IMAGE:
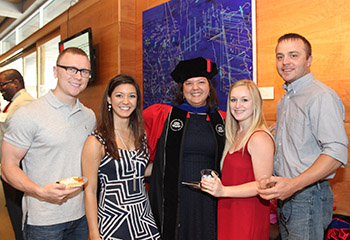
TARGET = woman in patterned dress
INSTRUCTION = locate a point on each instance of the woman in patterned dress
(114, 160)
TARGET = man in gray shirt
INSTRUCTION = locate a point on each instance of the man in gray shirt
(311, 144)
(49, 134)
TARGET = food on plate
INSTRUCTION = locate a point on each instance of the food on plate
(72, 181)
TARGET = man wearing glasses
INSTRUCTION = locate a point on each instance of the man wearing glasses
(13, 91)
(49, 134)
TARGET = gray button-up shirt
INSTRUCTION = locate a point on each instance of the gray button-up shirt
(310, 122)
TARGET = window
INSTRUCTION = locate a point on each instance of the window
(47, 12)
(8, 42)
(55, 8)
(30, 74)
(28, 27)
(48, 54)
(36, 65)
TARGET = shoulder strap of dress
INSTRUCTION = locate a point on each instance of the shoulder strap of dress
(99, 138)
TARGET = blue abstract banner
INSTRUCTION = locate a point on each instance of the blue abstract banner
(220, 30)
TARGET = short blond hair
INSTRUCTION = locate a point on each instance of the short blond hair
(72, 50)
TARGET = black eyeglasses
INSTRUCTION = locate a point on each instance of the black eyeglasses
(73, 70)
(5, 83)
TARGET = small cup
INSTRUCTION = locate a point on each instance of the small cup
(265, 182)
(206, 174)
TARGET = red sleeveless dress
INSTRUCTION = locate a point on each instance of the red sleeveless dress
(242, 218)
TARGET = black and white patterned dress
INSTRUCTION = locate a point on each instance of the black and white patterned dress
(124, 211)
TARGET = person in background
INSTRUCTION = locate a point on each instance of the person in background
(49, 134)
(247, 158)
(311, 144)
(184, 137)
(115, 157)
(13, 90)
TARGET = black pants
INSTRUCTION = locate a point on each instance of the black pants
(13, 199)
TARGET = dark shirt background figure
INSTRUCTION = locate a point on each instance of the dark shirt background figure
(13, 90)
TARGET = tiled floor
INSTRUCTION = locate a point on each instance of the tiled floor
(6, 232)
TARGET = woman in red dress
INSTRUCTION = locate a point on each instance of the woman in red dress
(247, 158)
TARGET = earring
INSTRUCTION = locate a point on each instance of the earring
(109, 107)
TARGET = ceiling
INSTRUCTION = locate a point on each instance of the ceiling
(12, 12)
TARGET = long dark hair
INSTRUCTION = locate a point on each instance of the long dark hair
(105, 124)
(212, 99)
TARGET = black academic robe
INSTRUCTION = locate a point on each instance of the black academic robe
(165, 182)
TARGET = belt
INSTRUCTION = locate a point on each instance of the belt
(318, 184)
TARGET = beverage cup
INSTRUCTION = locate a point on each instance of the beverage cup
(207, 174)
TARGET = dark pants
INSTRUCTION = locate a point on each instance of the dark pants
(13, 199)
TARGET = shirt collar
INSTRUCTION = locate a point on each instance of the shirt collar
(56, 103)
(189, 108)
(17, 94)
(298, 84)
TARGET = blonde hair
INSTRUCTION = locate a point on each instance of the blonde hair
(257, 119)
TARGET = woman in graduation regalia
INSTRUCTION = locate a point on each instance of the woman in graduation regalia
(184, 137)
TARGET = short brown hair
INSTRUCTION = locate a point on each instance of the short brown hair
(295, 36)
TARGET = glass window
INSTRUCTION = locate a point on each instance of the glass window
(50, 10)
(30, 74)
(29, 27)
(55, 8)
(8, 42)
(48, 55)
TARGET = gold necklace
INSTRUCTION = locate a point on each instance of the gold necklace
(131, 160)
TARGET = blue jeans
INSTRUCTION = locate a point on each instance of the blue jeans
(307, 214)
(73, 230)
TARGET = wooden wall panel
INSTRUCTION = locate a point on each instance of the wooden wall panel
(103, 18)
(326, 24)
(128, 49)
(113, 26)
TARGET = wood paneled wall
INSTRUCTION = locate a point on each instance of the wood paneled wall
(113, 26)
(326, 24)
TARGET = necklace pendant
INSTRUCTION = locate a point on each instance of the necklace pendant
(134, 181)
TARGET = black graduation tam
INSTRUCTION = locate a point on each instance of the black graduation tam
(197, 67)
